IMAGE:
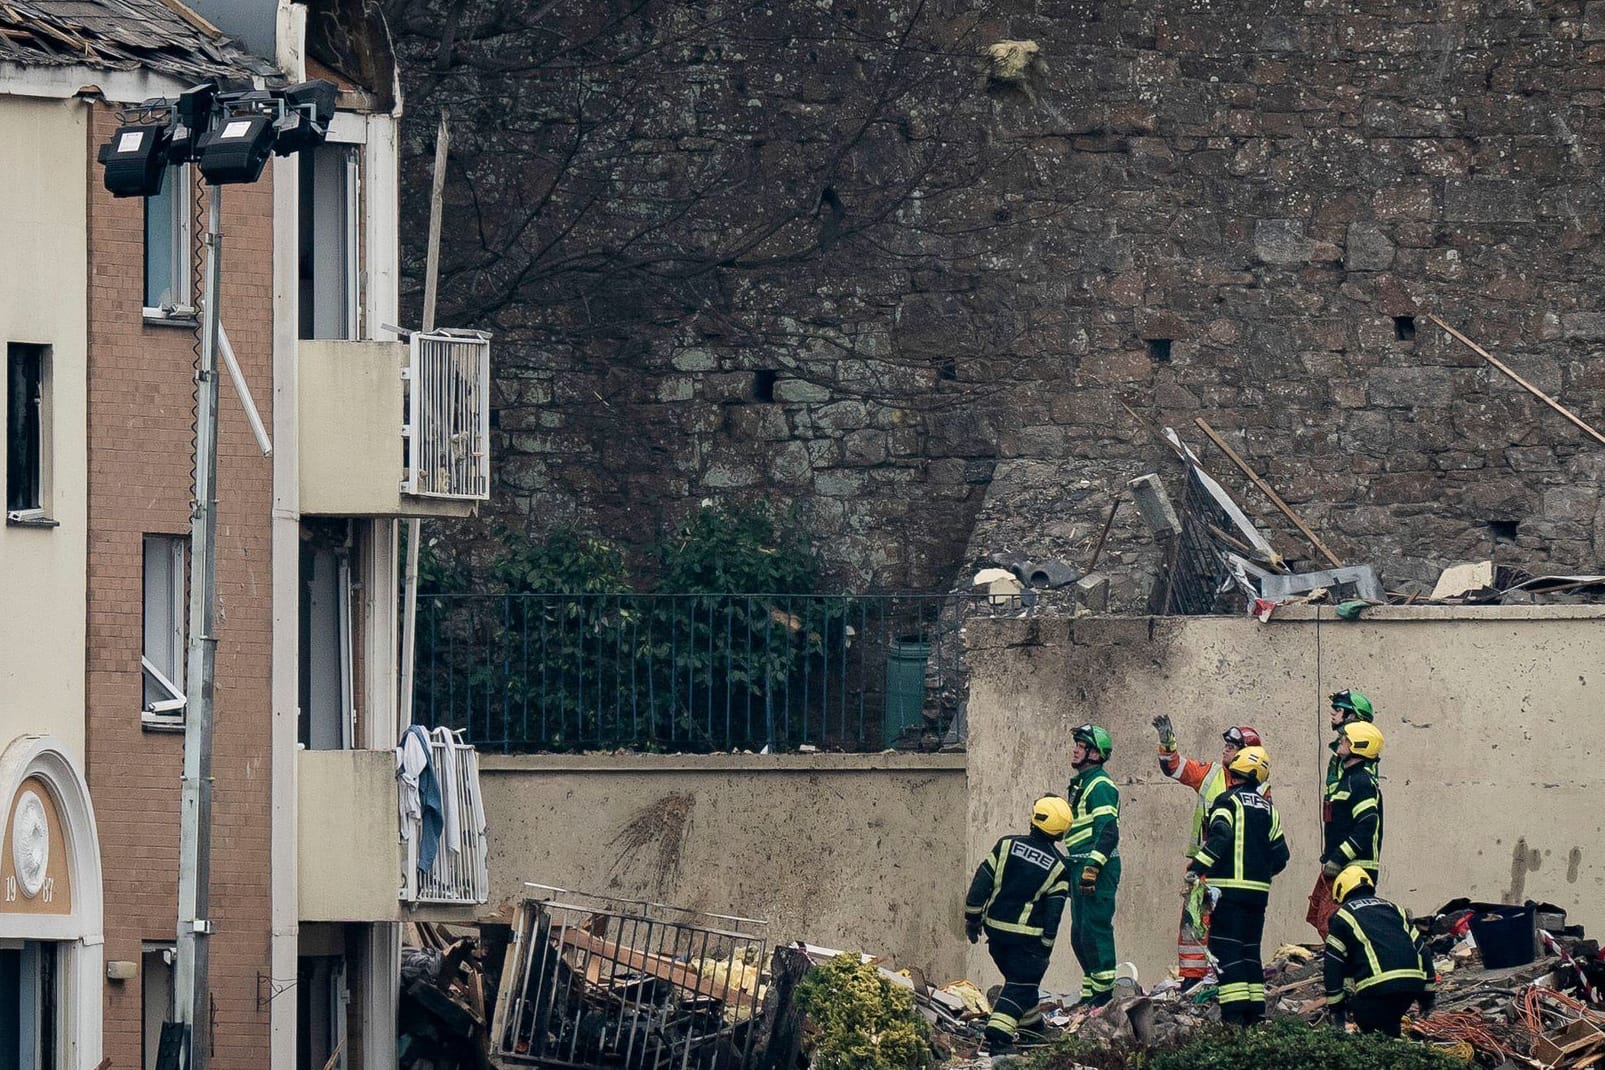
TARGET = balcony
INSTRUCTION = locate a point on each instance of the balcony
(459, 876)
(354, 864)
(395, 429)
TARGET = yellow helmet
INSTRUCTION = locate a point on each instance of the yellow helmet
(1052, 815)
(1365, 739)
(1253, 763)
(1350, 881)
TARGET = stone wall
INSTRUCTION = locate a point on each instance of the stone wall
(815, 268)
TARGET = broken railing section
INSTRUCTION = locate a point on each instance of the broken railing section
(1216, 560)
(593, 981)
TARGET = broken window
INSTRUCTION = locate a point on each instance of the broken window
(157, 1000)
(328, 709)
(167, 249)
(327, 262)
(27, 431)
(162, 654)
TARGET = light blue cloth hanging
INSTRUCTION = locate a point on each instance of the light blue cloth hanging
(434, 815)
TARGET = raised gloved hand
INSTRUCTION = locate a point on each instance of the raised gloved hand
(1089, 878)
(1332, 868)
(972, 929)
(1167, 734)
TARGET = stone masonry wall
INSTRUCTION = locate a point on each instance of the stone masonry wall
(1225, 209)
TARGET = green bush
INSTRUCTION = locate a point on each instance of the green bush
(1282, 1044)
(864, 1021)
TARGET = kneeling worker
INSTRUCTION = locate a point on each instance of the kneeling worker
(1371, 942)
(1017, 897)
(1243, 849)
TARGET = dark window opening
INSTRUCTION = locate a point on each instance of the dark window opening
(1404, 328)
(763, 384)
(949, 372)
(1504, 529)
(25, 372)
(1159, 350)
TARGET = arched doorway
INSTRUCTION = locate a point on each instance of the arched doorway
(51, 942)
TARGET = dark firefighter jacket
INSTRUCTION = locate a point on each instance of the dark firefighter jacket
(1372, 943)
(1094, 835)
(1354, 820)
(1020, 888)
(1243, 843)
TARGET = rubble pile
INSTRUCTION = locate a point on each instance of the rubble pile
(443, 1013)
(1545, 1013)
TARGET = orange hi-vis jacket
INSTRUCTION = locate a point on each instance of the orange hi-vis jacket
(1206, 778)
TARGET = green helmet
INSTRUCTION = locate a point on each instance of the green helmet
(1354, 702)
(1094, 736)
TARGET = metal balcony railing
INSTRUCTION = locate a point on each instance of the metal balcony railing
(692, 672)
(460, 876)
(448, 416)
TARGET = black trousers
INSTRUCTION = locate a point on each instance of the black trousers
(1380, 1012)
(1235, 928)
(1022, 961)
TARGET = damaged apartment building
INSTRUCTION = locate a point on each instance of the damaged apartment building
(103, 309)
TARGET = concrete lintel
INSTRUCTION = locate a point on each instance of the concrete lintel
(491, 764)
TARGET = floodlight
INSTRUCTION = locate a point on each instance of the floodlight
(309, 109)
(236, 148)
(135, 160)
(192, 114)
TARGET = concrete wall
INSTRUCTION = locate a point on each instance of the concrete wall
(1491, 768)
(350, 856)
(43, 301)
(850, 851)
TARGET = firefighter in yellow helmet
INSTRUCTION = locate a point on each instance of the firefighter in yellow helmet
(1372, 944)
(1017, 898)
(1243, 850)
(1354, 809)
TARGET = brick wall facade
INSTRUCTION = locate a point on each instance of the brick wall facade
(141, 399)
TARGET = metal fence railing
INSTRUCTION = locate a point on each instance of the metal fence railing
(554, 672)
(459, 874)
(596, 982)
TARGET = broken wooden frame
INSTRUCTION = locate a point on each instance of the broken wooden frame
(595, 981)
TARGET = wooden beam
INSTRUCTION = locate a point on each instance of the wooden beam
(1518, 380)
(1267, 490)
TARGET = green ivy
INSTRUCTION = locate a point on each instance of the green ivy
(740, 548)
(864, 1022)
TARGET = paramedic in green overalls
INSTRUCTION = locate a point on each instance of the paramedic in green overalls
(1094, 862)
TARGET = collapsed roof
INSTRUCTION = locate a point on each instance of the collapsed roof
(162, 36)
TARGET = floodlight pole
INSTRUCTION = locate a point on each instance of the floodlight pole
(195, 830)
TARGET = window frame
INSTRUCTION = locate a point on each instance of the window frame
(313, 230)
(38, 513)
(180, 229)
(169, 712)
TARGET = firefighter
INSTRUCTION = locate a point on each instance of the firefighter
(1017, 898)
(1347, 705)
(1372, 943)
(1092, 846)
(1353, 831)
(1243, 849)
(1208, 779)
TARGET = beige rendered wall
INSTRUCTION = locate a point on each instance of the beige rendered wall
(858, 852)
(350, 426)
(349, 852)
(1492, 768)
(43, 301)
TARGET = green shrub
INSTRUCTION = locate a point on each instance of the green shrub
(1282, 1044)
(1291, 1044)
(864, 1021)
